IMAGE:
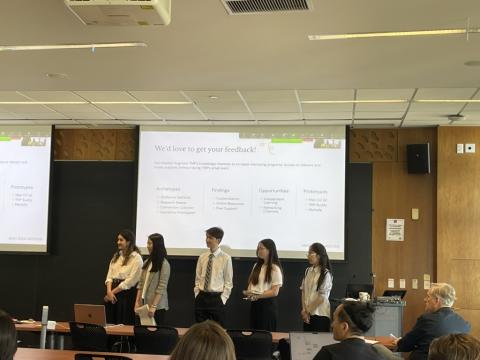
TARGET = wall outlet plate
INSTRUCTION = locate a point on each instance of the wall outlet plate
(469, 148)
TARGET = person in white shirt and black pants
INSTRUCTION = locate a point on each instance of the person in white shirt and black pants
(213, 280)
(264, 283)
(122, 278)
(316, 287)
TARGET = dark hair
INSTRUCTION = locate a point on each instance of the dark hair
(216, 232)
(324, 263)
(455, 347)
(204, 341)
(130, 237)
(8, 337)
(358, 315)
(272, 259)
(158, 254)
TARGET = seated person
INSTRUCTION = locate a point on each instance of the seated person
(204, 341)
(455, 347)
(8, 337)
(439, 319)
(350, 320)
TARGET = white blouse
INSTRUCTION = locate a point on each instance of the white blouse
(262, 286)
(309, 287)
(129, 273)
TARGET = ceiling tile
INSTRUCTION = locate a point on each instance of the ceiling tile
(366, 115)
(180, 116)
(273, 106)
(269, 95)
(382, 107)
(318, 108)
(229, 116)
(204, 96)
(326, 95)
(384, 94)
(278, 116)
(52, 95)
(158, 95)
(105, 95)
(328, 116)
(222, 106)
(444, 93)
(188, 108)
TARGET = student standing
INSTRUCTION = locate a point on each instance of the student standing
(152, 288)
(316, 287)
(123, 275)
(213, 279)
(263, 286)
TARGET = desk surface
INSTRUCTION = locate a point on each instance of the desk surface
(122, 330)
(39, 354)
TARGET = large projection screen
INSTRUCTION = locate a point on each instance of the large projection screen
(25, 158)
(278, 182)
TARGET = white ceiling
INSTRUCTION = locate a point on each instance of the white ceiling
(259, 66)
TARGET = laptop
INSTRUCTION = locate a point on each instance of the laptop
(305, 345)
(90, 314)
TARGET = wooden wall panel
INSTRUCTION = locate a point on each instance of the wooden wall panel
(458, 225)
(368, 145)
(95, 144)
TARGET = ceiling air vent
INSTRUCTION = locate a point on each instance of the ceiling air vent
(237, 7)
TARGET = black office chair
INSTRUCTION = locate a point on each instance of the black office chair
(88, 337)
(252, 344)
(155, 339)
(100, 356)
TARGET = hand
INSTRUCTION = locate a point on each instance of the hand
(247, 293)
(305, 316)
(151, 311)
(137, 305)
(111, 297)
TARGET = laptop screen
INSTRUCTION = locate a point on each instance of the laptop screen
(305, 345)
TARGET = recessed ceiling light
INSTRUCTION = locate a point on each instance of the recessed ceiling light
(392, 34)
(92, 46)
(393, 101)
(472, 63)
(56, 76)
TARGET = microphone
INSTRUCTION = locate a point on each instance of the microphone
(43, 332)
(373, 276)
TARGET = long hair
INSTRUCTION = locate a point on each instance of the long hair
(324, 262)
(158, 254)
(130, 237)
(8, 337)
(204, 341)
(272, 259)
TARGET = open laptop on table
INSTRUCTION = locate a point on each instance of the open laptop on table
(305, 345)
(90, 314)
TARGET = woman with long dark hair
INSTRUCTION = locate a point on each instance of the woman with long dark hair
(122, 278)
(152, 288)
(264, 283)
(316, 287)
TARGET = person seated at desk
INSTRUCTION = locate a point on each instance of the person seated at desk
(8, 337)
(350, 320)
(455, 347)
(204, 341)
(439, 319)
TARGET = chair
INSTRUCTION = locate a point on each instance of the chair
(252, 344)
(88, 337)
(155, 339)
(100, 356)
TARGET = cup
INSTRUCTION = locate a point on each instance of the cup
(363, 296)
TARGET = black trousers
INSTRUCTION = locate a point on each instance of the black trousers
(209, 306)
(317, 323)
(122, 311)
(263, 314)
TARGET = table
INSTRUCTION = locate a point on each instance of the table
(47, 354)
(62, 328)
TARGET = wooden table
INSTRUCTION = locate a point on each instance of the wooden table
(47, 354)
(63, 328)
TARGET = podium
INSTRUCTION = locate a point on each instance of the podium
(387, 319)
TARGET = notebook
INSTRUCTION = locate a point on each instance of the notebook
(90, 314)
(305, 345)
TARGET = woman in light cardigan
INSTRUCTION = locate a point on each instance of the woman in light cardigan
(152, 287)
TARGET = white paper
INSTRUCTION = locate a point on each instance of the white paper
(402, 284)
(391, 283)
(142, 313)
(414, 283)
(395, 229)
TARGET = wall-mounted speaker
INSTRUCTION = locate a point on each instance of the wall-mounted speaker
(418, 158)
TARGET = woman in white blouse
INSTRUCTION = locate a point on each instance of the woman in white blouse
(152, 288)
(122, 278)
(264, 283)
(316, 287)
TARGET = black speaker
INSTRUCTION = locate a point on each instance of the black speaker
(418, 158)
